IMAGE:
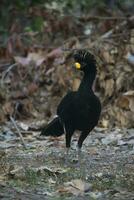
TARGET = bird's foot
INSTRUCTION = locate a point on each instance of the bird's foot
(81, 164)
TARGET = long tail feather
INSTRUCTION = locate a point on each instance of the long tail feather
(54, 128)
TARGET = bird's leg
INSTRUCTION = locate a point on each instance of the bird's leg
(80, 142)
(67, 156)
(67, 146)
(68, 134)
(82, 137)
(68, 141)
(79, 156)
(67, 150)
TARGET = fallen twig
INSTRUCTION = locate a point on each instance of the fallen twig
(6, 72)
(18, 131)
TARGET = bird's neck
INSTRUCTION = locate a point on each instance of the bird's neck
(87, 81)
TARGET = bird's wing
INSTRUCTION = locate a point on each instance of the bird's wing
(65, 107)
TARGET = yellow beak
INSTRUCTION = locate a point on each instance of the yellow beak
(77, 65)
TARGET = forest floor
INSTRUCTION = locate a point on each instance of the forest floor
(41, 171)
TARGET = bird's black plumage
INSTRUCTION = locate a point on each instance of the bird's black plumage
(78, 110)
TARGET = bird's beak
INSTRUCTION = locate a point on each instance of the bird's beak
(77, 65)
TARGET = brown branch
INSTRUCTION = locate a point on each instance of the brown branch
(102, 18)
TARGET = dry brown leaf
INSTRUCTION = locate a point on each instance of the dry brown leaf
(36, 58)
(109, 87)
(123, 117)
(102, 75)
(129, 93)
(107, 57)
(32, 88)
(104, 123)
(123, 102)
(80, 185)
(76, 83)
(75, 187)
(130, 97)
(119, 81)
(56, 53)
(126, 101)
(24, 61)
(8, 108)
(70, 190)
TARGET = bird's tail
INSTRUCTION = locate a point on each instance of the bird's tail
(54, 128)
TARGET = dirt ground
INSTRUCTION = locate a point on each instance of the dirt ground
(106, 170)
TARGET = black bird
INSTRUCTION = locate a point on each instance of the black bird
(78, 110)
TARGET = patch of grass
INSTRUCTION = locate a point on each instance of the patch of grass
(17, 184)
(103, 184)
(123, 181)
(126, 182)
(31, 176)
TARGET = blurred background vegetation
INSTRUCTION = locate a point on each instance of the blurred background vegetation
(37, 37)
(20, 12)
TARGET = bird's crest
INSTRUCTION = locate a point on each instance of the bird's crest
(84, 56)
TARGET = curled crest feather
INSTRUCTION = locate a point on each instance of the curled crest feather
(84, 56)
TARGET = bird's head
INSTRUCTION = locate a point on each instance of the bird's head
(84, 61)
